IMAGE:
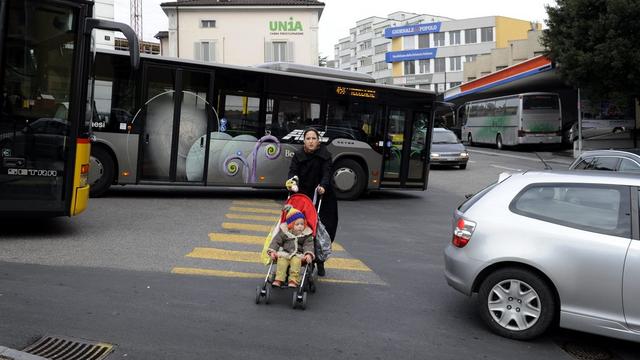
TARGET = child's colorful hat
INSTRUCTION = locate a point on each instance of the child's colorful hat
(293, 214)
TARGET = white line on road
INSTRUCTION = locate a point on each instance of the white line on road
(556, 160)
(504, 167)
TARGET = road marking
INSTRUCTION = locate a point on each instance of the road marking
(254, 257)
(252, 239)
(555, 160)
(237, 274)
(248, 227)
(252, 217)
(271, 204)
(504, 167)
(255, 210)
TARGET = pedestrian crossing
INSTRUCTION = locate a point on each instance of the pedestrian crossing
(234, 250)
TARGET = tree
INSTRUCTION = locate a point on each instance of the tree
(596, 45)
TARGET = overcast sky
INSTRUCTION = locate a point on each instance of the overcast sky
(341, 15)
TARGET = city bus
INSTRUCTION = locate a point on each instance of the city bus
(44, 126)
(529, 118)
(181, 122)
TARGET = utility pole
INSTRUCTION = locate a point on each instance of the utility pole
(136, 18)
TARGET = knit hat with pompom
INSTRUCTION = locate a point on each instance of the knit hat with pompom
(292, 215)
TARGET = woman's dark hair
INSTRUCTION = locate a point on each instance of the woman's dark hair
(304, 134)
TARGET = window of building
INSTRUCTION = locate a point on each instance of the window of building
(409, 67)
(279, 51)
(425, 66)
(501, 67)
(455, 63)
(207, 23)
(440, 65)
(423, 41)
(471, 78)
(454, 37)
(486, 34)
(471, 58)
(345, 59)
(381, 66)
(205, 50)
(365, 45)
(470, 36)
(382, 48)
(454, 84)
(365, 28)
(424, 86)
(409, 42)
(378, 33)
(345, 45)
(366, 61)
(438, 39)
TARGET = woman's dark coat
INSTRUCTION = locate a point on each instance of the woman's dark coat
(312, 170)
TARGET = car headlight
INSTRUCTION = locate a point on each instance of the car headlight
(464, 154)
(435, 155)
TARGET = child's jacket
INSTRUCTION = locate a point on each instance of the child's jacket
(292, 244)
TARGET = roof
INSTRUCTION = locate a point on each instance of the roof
(186, 3)
(161, 35)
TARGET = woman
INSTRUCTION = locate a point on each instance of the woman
(312, 166)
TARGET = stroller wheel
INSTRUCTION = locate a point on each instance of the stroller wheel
(294, 300)
(258, 294)
(303, 304)
(267, 294)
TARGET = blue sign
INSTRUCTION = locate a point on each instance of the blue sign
(405, 55)
(417, 29)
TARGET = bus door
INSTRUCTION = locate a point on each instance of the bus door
(174, 140)
(406, 149)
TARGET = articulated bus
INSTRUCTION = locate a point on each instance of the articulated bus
(44, 127)
(530, 118)
(180, 122)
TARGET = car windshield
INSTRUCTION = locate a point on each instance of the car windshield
(444, 137)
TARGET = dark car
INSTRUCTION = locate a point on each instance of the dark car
(446, 149)
(627, 160)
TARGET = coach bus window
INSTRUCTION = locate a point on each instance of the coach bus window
(500, 107)
(241, 115)
(512, 106)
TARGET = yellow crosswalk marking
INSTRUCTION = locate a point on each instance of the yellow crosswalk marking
(269, 204)
(236, 238)
(238, 274)
(252, 239)
(255, 210)
(272, 219)
(254, 257)
(249, 227)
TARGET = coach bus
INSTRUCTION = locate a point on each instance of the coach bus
(180, 122)
(44, 127)
(529, 118)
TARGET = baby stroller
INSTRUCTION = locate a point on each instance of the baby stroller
(308, 274)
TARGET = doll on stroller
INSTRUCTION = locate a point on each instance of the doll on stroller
(292, 244)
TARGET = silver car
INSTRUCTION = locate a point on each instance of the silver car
(541, 248)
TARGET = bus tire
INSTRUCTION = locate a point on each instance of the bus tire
(349, 179)
(499, 142)
(470, 139)
(101, 171)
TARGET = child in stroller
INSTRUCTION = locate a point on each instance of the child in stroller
(288, 247)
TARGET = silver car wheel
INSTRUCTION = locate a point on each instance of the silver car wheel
(514, 305)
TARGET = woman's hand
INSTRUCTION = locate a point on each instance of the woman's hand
(273, 255)
(320, 190)
(308, 259)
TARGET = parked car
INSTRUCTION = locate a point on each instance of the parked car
(446, 149)
(546, 247)
(609, 160)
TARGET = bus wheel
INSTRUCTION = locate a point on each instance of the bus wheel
(101, 171)
(349, 179)
(499, 142)
(470, 140)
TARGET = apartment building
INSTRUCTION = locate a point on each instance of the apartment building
(423, 51)
(243, 32)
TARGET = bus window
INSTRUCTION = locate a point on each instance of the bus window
(500, 107)
(511, 106)
(490, 107)
(114, 93)
(540, 102)
(351, 120)
(473, 110)
(241, 115)
(286, 116)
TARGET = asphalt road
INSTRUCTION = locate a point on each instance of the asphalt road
(166, 273)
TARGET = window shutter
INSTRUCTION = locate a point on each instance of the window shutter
(196, 51)
(268, 51)
(289, 54)
(212, 52)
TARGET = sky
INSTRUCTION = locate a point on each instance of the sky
(341, 15)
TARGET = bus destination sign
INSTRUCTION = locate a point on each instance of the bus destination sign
(365, 93)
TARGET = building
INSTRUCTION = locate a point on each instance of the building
(423, 51)
(146, 47)
(104, 10)
(243, 32)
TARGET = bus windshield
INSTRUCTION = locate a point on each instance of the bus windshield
(540, 102)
